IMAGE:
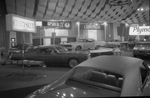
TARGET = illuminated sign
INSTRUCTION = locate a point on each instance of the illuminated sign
(57, 24)
(139, 30)
(91, 26)
(18, 23)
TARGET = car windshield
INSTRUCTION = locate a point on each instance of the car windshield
(81, 40)
(61, 49)
(99, 78)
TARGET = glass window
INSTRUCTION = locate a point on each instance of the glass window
(105, 79)
(61, 49)
(41, 50)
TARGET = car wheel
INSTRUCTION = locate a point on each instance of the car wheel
(73, 62)
(97, 47)
(78, 48)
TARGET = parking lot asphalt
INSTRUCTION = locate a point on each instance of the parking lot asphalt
(14, 76)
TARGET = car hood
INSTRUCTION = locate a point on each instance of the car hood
(65, 91)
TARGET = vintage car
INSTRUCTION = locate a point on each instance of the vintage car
(84, 44)
(53, 55)
(141, 49)
(103, 76)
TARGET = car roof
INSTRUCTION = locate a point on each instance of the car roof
(119, 64)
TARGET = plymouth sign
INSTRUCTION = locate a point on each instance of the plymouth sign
(139, 30)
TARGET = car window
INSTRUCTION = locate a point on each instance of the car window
(31, 49)
(61, 49)
(90, 40)
(41, 50)
(49, 50)
(81, 40)
(108, 80)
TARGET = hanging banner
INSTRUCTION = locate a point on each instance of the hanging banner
(139, 30)
(19, 23)
(57, 24)
(90, 26)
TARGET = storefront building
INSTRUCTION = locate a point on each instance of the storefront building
(55, 32)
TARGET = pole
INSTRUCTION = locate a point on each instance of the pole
(23, 51)
(105, 33)
(0, 56)
(54, 37)
(78, 24)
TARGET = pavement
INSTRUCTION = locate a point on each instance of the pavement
(14, 76)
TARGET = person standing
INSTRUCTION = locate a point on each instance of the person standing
(117, 51)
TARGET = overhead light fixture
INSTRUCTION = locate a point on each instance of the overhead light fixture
(142, 9)
(105, 23)
(78, 23)
(127, 24)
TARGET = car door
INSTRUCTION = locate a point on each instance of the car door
(50, 56)
(38, 54)
(59, 56)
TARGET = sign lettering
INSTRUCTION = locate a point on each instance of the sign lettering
(139, 30)
(19, 23)
(91, 26)
(57, 24)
